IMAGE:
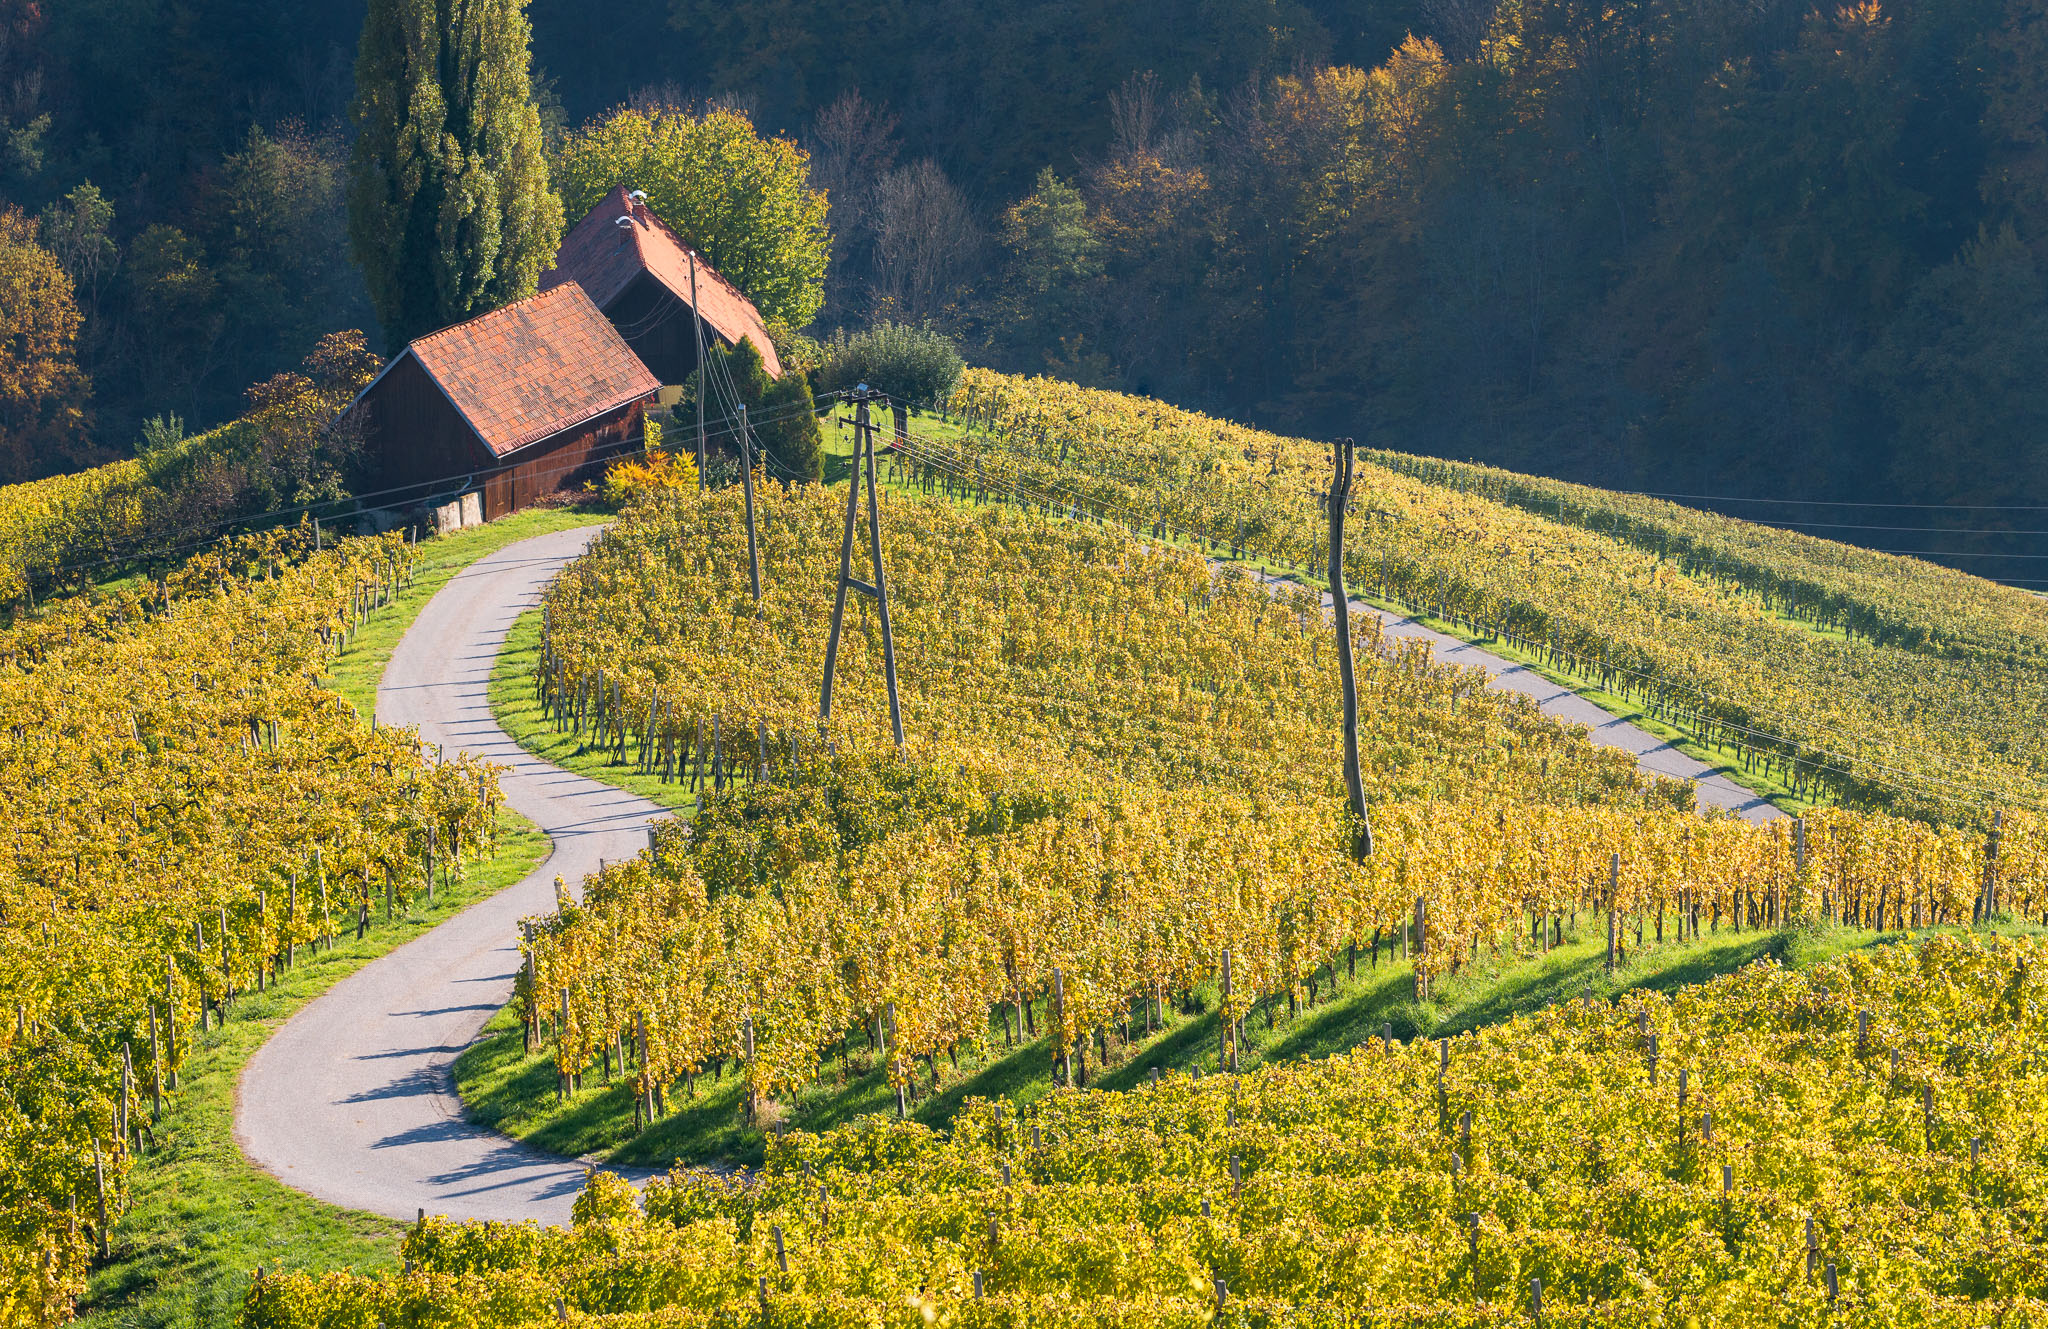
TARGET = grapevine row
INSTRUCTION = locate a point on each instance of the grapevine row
(1850, 1144)
(188, 811)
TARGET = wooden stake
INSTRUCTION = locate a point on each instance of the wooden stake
(1343, 459)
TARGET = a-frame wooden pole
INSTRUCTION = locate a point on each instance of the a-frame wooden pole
(881, 584)
(863, 462)
(845, 558)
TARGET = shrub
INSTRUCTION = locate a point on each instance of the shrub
(913, 365)
(789, 430)
(654, 471)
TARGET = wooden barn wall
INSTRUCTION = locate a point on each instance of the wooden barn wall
(658, 328)
(413, 435)
(561, 463)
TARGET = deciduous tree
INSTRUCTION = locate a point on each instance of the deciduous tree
(743, 201)
(42, 392)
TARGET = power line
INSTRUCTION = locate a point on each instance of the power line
(1819, 502)
(1783, 522)
(1915, 553)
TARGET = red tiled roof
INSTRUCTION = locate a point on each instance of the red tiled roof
(535, 368)
(604, 258)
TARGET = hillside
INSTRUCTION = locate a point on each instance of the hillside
(1118, 786)
(1296, 664)
(1894, 685)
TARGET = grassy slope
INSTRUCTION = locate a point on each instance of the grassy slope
(510, 1091)
(202, 1216)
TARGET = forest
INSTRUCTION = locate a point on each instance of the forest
(1776, 255)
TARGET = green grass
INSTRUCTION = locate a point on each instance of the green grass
(357, 670)
(518, 712)
(203, 1217)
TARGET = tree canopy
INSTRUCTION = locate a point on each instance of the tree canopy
(913, 365)
(42, 392)
(450, 212)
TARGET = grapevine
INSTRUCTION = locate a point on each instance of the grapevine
(187, 811)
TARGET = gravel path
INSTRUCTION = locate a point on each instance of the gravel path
(353, 1100)
(1652, 754)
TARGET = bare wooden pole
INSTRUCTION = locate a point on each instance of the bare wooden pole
(747, 480)
(1344, 459)
(697, 326)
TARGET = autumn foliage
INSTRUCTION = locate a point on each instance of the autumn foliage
(42, 391)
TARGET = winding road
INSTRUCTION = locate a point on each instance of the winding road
(353, 1100)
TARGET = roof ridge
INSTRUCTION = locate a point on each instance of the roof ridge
(704, 265)
(549, 293)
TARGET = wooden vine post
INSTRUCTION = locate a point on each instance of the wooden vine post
(1987, 901)
(753, 1102)
(1344, 460)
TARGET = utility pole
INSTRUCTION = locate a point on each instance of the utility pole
(697, 326)
(1343, 459)
(747, 479)
(863, 458)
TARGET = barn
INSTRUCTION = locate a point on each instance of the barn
(519, 403)
(642, 276)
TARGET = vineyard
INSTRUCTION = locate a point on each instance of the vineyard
(1855, 1144)
(1117, 803)
(189, 811)
(70, 531)
(1121, 783)
(1923, 712)
(1890, 600)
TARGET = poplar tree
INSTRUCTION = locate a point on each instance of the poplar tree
(450, 211)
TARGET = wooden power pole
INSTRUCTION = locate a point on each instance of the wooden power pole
(863, 458)
(747, 479)
(697, 326)
(1343, 458)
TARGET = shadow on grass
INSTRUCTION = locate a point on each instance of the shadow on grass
(510, 1091)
